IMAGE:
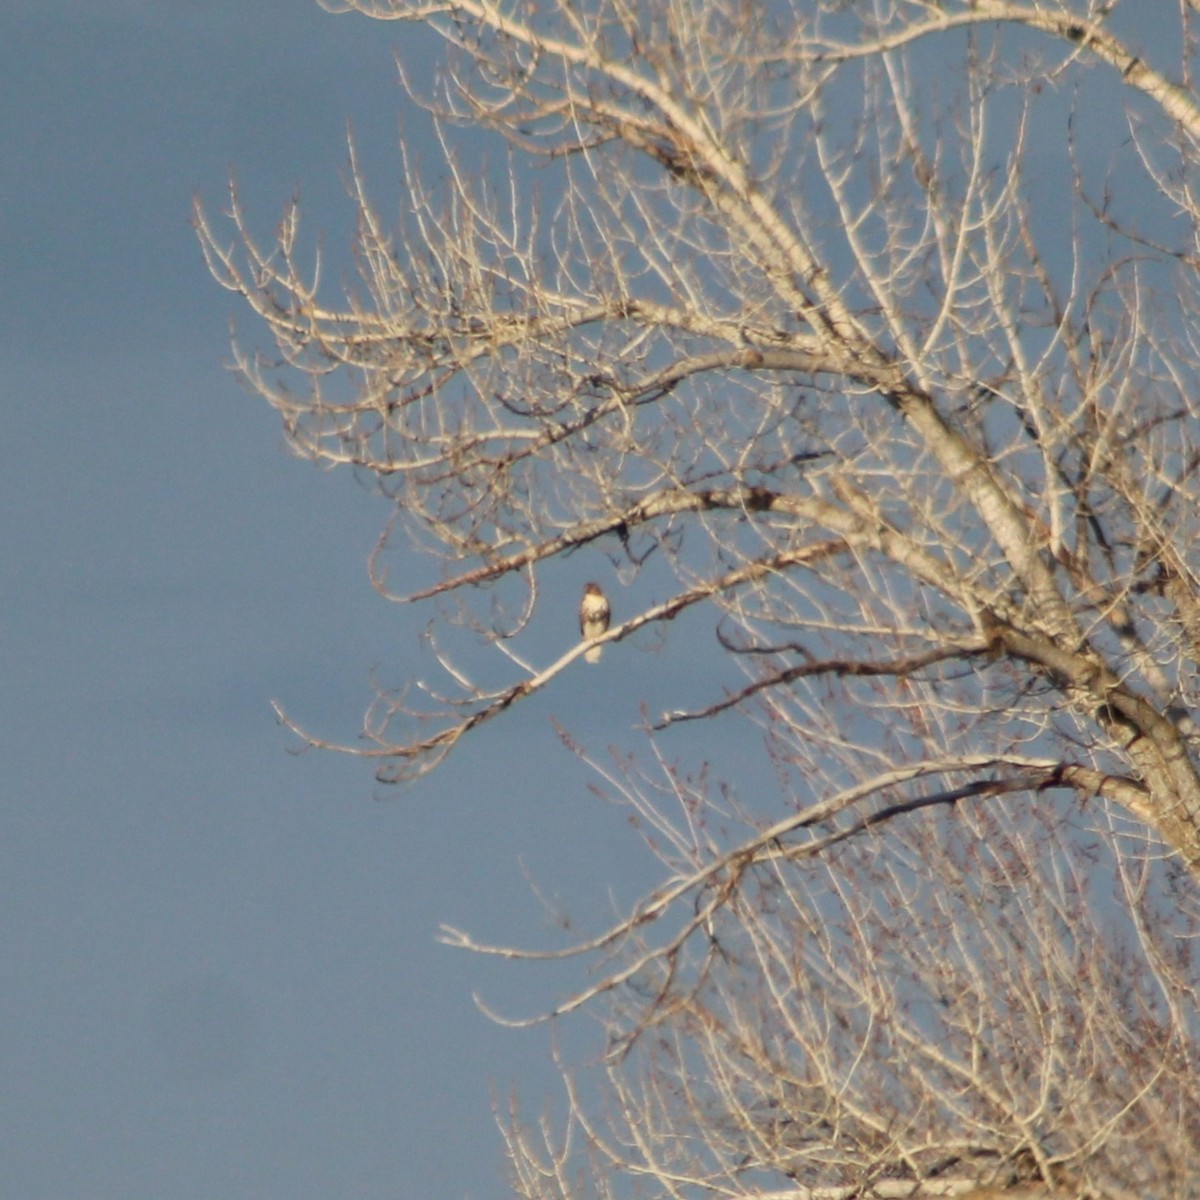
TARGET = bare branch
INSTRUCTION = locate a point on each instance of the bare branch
(825, 321)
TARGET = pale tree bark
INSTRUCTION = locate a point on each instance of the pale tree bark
(822, 305)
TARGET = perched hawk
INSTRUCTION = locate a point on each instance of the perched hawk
(594, 614)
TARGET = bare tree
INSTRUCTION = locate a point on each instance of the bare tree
(876, 322)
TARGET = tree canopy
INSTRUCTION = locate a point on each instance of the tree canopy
(877, 324)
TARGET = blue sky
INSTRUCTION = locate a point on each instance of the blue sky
(219, 969)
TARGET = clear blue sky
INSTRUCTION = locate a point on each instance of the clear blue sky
(218, 967)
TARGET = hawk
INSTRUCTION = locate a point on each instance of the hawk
(594, 615)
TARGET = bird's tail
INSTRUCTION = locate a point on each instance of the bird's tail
(593, 655)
